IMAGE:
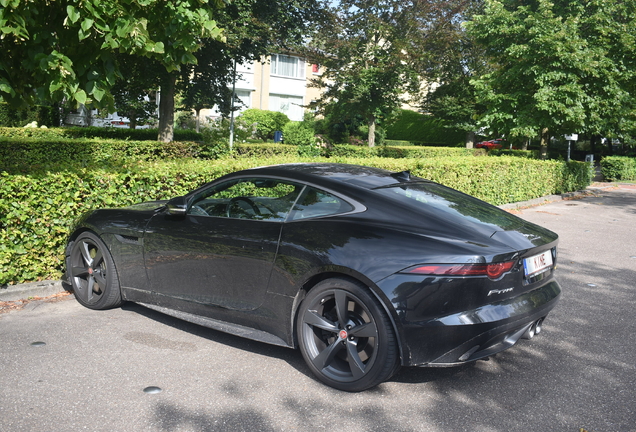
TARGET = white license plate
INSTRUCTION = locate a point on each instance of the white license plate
(538, 264)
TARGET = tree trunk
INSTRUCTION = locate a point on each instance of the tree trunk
(524, 146)
(545, 137)
(371, 132)
(132, 120)
(198, 120)
(166, 110)
(470, 139)
(593, 140)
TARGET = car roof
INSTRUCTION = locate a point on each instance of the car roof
(361, 176)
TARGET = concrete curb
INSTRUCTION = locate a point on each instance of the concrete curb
(31, 289)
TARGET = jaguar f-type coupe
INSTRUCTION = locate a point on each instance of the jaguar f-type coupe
(364, 270)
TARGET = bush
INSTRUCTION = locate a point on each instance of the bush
(530, 154)
(22, 154)
(97, 132)
(618, 168)
(37, 206)
(299, 133)
(265, 150)
(219, 130)
(399, 152)
(415, 127)
(265, 122)
(19, 117)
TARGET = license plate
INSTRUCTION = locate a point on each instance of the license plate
(537, 264)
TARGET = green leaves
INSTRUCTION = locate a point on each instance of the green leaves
(556, 65)
(72, 13)
(86, 35)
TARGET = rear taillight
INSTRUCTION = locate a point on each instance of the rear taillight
(493, 271)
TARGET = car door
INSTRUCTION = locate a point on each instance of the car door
(221, 252)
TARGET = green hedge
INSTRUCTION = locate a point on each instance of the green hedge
(37, 207)
(19, 117)
(415, 127)
(402, 152)
(530, 154)
(618, 168)
(17, 153)
(96, 132)
(22, 153)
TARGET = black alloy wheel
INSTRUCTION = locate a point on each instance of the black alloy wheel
(92, 273)
(346, 337)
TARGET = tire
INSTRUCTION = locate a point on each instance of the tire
(92, 273)
(345, 336)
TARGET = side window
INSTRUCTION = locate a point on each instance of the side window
(315, 203)
(253, 198)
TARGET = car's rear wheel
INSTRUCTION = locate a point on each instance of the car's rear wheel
(345, 336)
(92, 273)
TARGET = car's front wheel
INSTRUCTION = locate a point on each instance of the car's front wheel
(345, 336)
(92, 273)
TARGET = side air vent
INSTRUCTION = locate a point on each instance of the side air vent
(127, 239)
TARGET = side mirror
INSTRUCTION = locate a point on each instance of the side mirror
(177, 206)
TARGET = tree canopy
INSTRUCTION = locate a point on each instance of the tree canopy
(53, 51)
(454, 59)
(56, 50)
(564, 66)
(372, 52)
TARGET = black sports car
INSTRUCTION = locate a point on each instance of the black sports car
(363, 269)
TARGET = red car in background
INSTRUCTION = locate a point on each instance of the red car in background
(492, 144)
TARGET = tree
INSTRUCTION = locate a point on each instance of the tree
(53, 50)
(206, 84)
(253, 28)
(453, 60)
(561, 67)
(362, 49)
(371, 52)
(135, 92)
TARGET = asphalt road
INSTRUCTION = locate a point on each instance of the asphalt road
(579, 373)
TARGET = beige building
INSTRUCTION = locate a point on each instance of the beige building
(278, 83)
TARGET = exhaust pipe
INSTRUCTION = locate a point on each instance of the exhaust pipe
(534, 329)
(529, 334)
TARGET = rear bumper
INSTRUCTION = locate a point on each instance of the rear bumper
(473, 334)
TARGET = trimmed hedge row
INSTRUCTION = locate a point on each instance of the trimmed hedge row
(95, 132)
(37, 208)
(618, 168)
(347, 150)
(415, 127)
(399, 152)
(530, 154)
(17, 153)
(23, 153)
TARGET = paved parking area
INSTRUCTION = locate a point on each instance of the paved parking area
(580, 373)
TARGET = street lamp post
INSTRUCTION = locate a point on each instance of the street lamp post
(232, 107)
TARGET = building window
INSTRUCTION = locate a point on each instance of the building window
(289, 105)
(287, 66)
(243, 99)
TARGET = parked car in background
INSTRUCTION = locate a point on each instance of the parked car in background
(492, 144)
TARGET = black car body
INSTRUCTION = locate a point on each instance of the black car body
(363, 269)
